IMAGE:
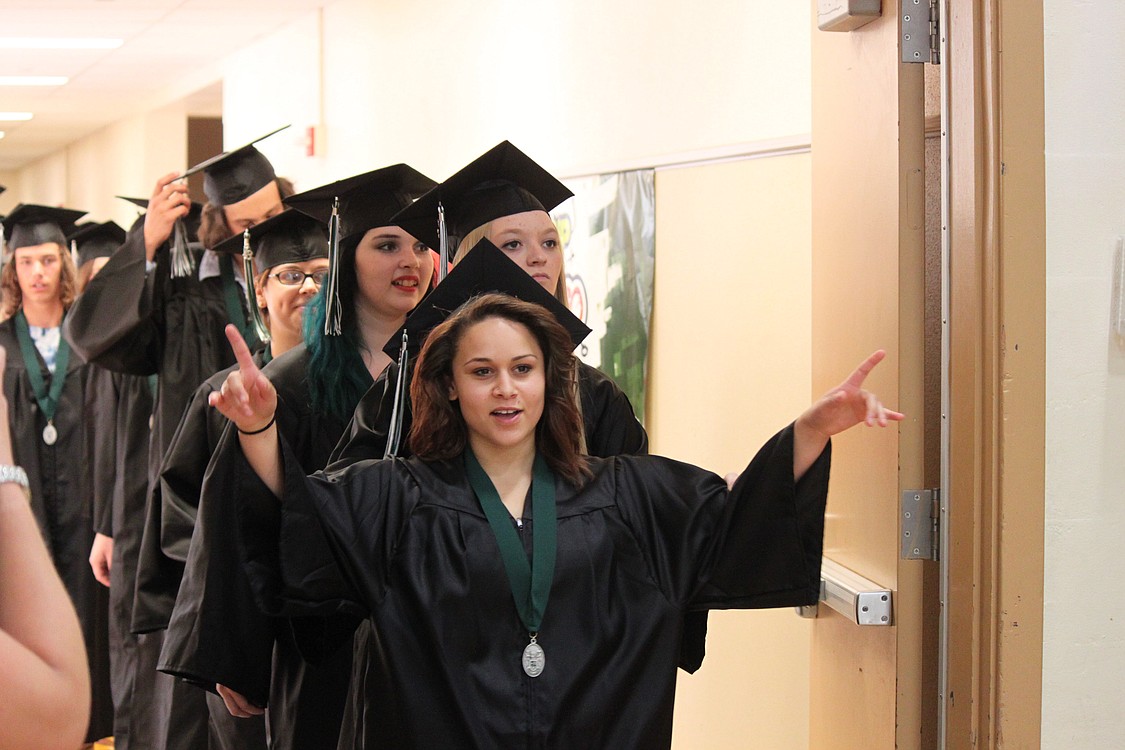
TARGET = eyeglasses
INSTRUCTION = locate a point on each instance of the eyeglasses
(297, 278)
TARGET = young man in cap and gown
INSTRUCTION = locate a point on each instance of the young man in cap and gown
(45, 384)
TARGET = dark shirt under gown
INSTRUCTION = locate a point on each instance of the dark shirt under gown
(644, 541)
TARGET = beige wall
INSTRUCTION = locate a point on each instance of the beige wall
(122, 159)
(580, 84)
(730, 365)
(1084, 592)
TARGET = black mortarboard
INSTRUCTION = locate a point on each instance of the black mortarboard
(485, 269)
(352, 206)
(236, 174)
(95, 240)
(501, 182)
(289, 237)
(367, 200)
(29, 224)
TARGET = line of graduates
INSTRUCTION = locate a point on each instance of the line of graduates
(229, 625)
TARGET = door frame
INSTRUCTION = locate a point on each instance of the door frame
(994, 496)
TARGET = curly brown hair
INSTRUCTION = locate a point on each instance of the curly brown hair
(13, 295)
(213, 227)
(438, 432)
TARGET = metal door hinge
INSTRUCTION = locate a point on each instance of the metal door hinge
(921, 524)
(920, 30)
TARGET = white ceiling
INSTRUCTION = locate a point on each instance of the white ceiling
(170, 47)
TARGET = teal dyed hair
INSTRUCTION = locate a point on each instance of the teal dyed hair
(337, 376)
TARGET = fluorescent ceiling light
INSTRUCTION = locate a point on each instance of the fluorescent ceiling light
(14, 116)
(33, 80)
(33, 42)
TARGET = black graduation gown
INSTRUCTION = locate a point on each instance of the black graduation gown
(59, 476)
(644, 541)
(611, 428)
(140, 323)
(217, 634)
(120, 409)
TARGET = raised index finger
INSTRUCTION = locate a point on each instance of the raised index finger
(860, 374)
(241, 351)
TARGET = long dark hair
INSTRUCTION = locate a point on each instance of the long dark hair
(438, 432)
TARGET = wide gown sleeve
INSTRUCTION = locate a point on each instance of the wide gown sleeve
(314, 552)
(115, 323)
(757, 545)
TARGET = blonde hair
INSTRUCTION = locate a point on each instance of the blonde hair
(469, 241)
(13, 295)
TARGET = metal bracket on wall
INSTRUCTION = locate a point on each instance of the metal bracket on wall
(921, 524)
(920, 32)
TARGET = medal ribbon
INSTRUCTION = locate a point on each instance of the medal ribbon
(48, 402)
(530, 583)
(232, 297)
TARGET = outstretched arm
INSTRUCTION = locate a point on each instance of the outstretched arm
(248, 399)
(841, 408)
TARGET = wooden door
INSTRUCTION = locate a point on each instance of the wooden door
(868, 208)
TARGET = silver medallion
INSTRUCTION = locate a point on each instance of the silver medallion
(50, 434)
(534, 659)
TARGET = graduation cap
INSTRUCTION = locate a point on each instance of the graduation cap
(352, 206)
(228, 178)
(235, 175)
(31, 224)
(485, 269)
(501, 182)
(93, 240)
(289, 237)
